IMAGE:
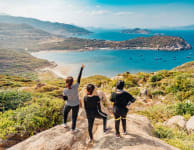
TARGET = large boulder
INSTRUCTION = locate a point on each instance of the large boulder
(58, 138)
(176, 121)
(12, 139)
(139, 137)
(190, 125)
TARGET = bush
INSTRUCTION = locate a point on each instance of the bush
(185, 108)
(155, 93)
(163, 132)
(175, 137)
(134, 91)
(156, 77)
(13, 99)
(159, 113)
(42, 114)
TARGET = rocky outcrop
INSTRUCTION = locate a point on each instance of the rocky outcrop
(140, 136)
(56, 138)
(190, 125)
(176, 121)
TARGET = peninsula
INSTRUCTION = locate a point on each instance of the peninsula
(168, 43)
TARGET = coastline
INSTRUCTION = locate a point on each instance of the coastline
(64, 70)
(107, 48)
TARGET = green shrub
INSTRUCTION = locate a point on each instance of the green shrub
(155, 93)
(42, 114)
(13, 99)
(159, 113)
(156, 77)
(134, 91)
(163, 132)
(175, 137)
(185, 108)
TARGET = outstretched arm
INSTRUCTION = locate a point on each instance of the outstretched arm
(80, 74)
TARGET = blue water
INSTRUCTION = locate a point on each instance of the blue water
(112, 62)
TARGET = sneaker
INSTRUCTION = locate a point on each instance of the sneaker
(125, 133)
(74, 130)
(65, 125)
(91, 141)
(106, 131)
(118, 136)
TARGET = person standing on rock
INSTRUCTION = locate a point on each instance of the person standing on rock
(71, 96)
(93, 110)
(121, 100)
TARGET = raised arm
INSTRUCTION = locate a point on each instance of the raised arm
(80, 74)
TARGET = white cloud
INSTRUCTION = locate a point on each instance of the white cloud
(69, 11)
(121, 13)
(99, 12)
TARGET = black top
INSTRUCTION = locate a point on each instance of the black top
(92, 105)
(122, 99)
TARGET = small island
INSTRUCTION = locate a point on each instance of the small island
(136, 31)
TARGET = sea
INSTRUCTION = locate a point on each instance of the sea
(112, 62)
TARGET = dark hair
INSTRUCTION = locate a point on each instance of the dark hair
(90, 88)
(120, 84)
(69, 81)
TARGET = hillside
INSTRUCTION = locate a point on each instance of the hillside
(22, 36)
(169, 43)
(136, 31)
(20, 63)
(51, 27)
(35, 106)
(186, 67)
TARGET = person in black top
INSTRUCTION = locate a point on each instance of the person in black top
(93, 110)
(120, 99)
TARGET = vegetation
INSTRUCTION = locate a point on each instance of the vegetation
(28, 110)
(13, 99)
(154, 42)
(32, 106)
(50, 27)
(136, 31)
(20, 63)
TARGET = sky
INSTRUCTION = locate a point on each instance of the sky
(105, 13)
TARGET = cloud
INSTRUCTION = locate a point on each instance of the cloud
(99, 12)
(122, 13)
(83, 14)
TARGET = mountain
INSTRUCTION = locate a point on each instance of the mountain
(23, 36)
(51, 27)
(136, 31)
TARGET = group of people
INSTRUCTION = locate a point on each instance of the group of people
(120, 100)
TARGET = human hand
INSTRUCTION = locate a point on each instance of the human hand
(83, 66)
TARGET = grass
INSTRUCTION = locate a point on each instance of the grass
(20, 63)
(42, 105)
